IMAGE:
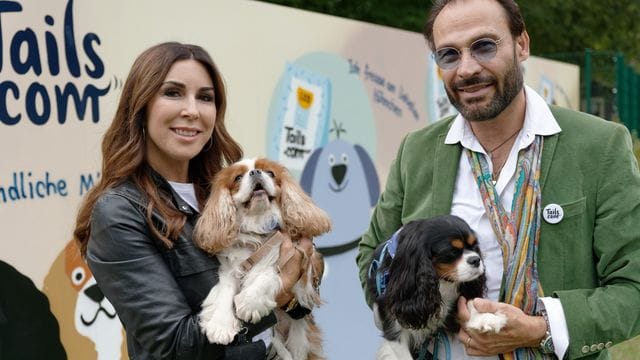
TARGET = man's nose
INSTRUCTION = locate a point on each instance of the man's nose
(468, 65)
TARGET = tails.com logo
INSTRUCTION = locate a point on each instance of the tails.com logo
(38, 58)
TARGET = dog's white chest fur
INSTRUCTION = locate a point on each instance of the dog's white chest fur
(449, 293)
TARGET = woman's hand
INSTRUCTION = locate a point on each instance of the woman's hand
(521, 330)
(294, 259)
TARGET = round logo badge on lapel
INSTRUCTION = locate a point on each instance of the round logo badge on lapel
(552, 213)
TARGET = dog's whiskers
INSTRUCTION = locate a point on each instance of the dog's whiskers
(450, 275)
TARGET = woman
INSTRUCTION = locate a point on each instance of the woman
(166, 142)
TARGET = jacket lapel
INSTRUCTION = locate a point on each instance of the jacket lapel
(548, 149)
(446, 162)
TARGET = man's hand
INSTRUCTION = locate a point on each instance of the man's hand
(521, 329)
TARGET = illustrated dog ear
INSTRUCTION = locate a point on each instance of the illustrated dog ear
(217, 225)
(309, 171)
(413, 292)
(301, 217)
(370, 174)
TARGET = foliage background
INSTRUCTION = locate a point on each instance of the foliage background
(557, 26)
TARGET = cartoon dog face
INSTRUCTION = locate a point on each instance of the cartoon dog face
(342, 180)
(82, 310)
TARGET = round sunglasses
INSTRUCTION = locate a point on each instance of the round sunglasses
(482, 50)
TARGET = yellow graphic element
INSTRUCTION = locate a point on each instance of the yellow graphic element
(305, 98)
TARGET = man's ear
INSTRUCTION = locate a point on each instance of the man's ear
(522, 46)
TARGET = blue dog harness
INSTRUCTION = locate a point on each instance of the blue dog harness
(382, 278)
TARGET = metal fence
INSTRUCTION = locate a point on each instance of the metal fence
(610, 88)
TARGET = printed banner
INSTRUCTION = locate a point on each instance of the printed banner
(331, 105)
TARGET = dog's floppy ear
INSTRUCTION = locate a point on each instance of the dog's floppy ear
(413, 291)
(217, 225)
(301, 217)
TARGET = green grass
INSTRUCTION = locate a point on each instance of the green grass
(628, 350)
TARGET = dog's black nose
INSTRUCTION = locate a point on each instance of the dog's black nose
(255, 172)
(94, 293)
(338, 172)
(474, 261)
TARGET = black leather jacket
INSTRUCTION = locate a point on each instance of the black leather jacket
(156, 291)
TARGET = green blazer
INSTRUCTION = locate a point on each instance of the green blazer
(590, 260)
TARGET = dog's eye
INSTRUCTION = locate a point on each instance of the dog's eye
(446, 258)
(77, 276)
(238, 178)
(270, 173)
(446, 254)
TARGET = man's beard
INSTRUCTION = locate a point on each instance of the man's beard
(513, 82)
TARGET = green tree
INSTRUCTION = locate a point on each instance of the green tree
(565, 26)
(403, 14)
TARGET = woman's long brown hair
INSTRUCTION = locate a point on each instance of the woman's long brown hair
(124, 143)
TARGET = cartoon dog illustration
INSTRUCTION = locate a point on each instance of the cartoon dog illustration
(342, 180)
(82, 310)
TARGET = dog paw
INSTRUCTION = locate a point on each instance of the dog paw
(221, 329)
(253, 308)
(485, 322)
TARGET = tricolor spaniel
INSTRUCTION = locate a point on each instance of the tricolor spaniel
(251, 204)
(416, 278)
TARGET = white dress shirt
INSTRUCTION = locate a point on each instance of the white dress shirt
(467, 204)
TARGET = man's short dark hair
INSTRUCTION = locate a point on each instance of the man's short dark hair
(511, 9)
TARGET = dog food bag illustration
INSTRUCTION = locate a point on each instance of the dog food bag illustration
(302, 116)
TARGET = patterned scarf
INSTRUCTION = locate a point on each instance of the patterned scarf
(517, 232)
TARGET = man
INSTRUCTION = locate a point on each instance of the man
(552, 194)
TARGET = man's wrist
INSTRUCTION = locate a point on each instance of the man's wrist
(546, 343)
(539, 331)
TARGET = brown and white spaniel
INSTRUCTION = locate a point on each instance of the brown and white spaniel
(251, 201)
